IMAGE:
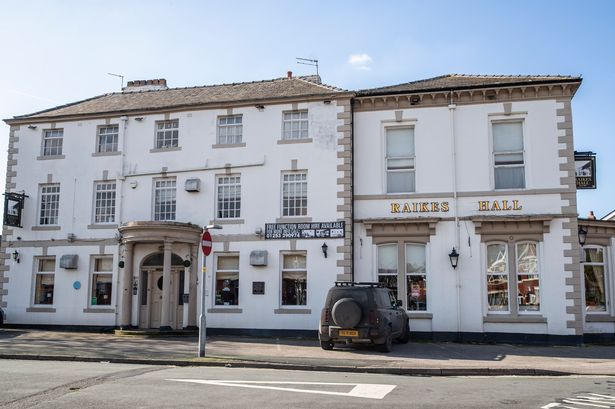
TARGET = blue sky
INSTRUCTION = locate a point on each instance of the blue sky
(55, 52)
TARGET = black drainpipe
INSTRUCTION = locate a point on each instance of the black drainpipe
(352, 189)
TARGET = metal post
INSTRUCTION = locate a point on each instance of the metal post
(202, 321)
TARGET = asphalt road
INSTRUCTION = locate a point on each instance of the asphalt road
(44, 384)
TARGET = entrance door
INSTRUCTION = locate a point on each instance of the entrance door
(156, 299)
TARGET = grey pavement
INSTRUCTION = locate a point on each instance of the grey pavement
(415, 358)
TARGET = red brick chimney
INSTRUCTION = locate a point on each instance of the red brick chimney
(289, 74)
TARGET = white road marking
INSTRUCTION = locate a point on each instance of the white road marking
(594, 400)
(360, 390)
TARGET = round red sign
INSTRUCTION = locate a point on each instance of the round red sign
(206, 243)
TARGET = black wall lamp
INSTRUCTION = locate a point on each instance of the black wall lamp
(454, 256)
(582, 236)
(324, 249)
(16, 256)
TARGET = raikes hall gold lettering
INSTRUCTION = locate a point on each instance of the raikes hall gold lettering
(498, 205)
(419, 207)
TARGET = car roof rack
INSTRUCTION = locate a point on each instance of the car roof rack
(359, 284)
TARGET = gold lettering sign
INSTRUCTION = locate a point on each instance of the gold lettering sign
(498, 205)
(419, 207)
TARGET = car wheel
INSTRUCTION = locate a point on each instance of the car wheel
(405, 334)
(326, 345)
(388, 342)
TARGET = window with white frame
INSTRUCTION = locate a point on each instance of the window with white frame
(227, 280)
(387, 267)
(524, 274)
(52, 142)
(294, 279)
(294, 194)
(230, 129)
(229, 197)
(508, 162)
(594, 270)
(416, 277)
(44, 280)
(164, 199)
(49, 204)
(107, 138)
(167, 134)
(400, 171)
(102, 281)
(104, 202)
(295, 125)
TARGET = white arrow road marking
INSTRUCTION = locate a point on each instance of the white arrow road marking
(595, 400)
(360, 390)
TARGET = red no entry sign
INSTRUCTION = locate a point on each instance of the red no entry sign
(206, 243)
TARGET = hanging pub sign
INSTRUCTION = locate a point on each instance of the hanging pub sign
(328, 230)
(13, 206)
(585, 169)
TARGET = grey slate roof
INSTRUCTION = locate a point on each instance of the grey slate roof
(462, 81)
(193, 96)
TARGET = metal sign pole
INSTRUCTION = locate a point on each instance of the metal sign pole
(202, 320)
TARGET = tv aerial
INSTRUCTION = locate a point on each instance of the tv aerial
(118, 75)
(307, 61)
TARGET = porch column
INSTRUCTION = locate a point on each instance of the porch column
(126, 294)
(166, 287)
(192, 289)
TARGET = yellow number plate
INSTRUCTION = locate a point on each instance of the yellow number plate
(349, 333)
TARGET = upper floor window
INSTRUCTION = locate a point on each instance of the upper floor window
(508, 162)
(104, 202)
(52, 142)
(49, 204)
(400, 176)
(107, 138)
(167, 134)
(230, 129)
(594, 269)
(164, 199)
(295, 125)
(294, 194)
(229, 196)
(523, 274)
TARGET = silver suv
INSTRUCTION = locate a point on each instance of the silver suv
(362, 313)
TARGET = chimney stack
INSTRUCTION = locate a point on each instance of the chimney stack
(289, 74)
(145, 85)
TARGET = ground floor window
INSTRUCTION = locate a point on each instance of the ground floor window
(227, 280)
(595, 280)
(44, 281)
(413, 282)
(294, 279)
(504, 273)
(102, 281)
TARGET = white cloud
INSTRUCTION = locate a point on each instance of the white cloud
(360, 61)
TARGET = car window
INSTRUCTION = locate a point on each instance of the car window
(382, 299)
(360, 296)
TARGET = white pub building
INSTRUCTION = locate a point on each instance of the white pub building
(458, 192)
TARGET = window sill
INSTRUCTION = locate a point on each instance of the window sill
(99, 310)
(102, 226)
(515, 319)
(298, 219)
(50, 157)
(228, 145)
(169, 149)
(419, 315)
(227, 221)
(599, 318)
(97, 154)
(222, 310)
(43, 228)
(291, 311)
(40, 309)
(293, 141)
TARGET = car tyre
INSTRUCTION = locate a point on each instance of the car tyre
(405, 334)
(387, 346)
(326, 345)
(346, 313)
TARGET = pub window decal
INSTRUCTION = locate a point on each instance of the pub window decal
(13, 208)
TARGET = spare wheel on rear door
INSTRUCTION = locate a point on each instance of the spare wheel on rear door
(346, 313)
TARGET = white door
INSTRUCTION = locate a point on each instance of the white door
(155, 299)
